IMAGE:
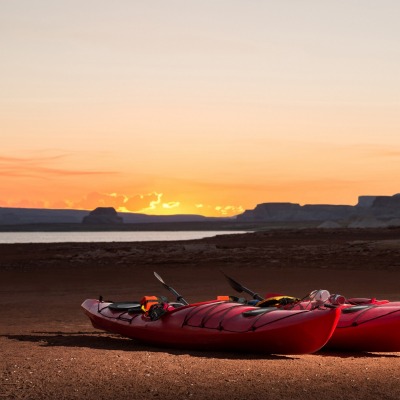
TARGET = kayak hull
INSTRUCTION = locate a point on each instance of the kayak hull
(365, 324)
(368, 328)
(222, 326)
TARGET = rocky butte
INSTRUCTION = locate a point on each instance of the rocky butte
(372, 210)
(103, 215)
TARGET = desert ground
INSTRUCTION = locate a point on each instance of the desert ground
(49, 350)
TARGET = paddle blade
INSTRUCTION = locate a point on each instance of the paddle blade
(240, 288)
(159, 278)
(234, 285)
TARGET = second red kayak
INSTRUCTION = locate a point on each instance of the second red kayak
(364, 324)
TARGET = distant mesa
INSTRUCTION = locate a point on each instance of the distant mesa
(295, 212)
(103, 215)
(370, 211)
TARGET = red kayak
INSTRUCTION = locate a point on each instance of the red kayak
(219, 325)
(364, 325)
(367, 328)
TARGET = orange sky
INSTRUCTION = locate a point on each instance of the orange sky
(207, 108)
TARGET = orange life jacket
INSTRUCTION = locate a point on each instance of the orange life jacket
(148, 301)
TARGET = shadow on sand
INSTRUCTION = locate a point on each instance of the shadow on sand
(353, 354)
(106, 341)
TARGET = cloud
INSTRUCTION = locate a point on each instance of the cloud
(149, 203)
(25, 203)
(229, 210)
(95, 199)
(171, 204)
(384, 152)
(373, 150)
(30, 159)
(142, 202)
(36, 167)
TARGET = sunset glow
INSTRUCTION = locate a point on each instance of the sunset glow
(198, 107)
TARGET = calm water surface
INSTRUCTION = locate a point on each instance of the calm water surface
(62, 237)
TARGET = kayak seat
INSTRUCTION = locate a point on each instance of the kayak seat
(124, 306)
(134, 307)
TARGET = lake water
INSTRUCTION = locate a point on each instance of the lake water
(63, 237)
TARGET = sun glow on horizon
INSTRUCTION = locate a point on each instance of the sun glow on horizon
(151, 203)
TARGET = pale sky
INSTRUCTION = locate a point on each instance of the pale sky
(208, 107)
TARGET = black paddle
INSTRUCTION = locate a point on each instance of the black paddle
(240, 288)
(172, 290)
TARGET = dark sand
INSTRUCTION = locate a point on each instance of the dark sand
(50, 351)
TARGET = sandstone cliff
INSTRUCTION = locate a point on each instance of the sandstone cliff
(382, 208)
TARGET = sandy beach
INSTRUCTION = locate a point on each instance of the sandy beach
(50, 350)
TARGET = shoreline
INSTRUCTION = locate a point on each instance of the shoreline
(50, 350)
(157, 226)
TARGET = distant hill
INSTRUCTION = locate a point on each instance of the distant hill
(24, 216)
